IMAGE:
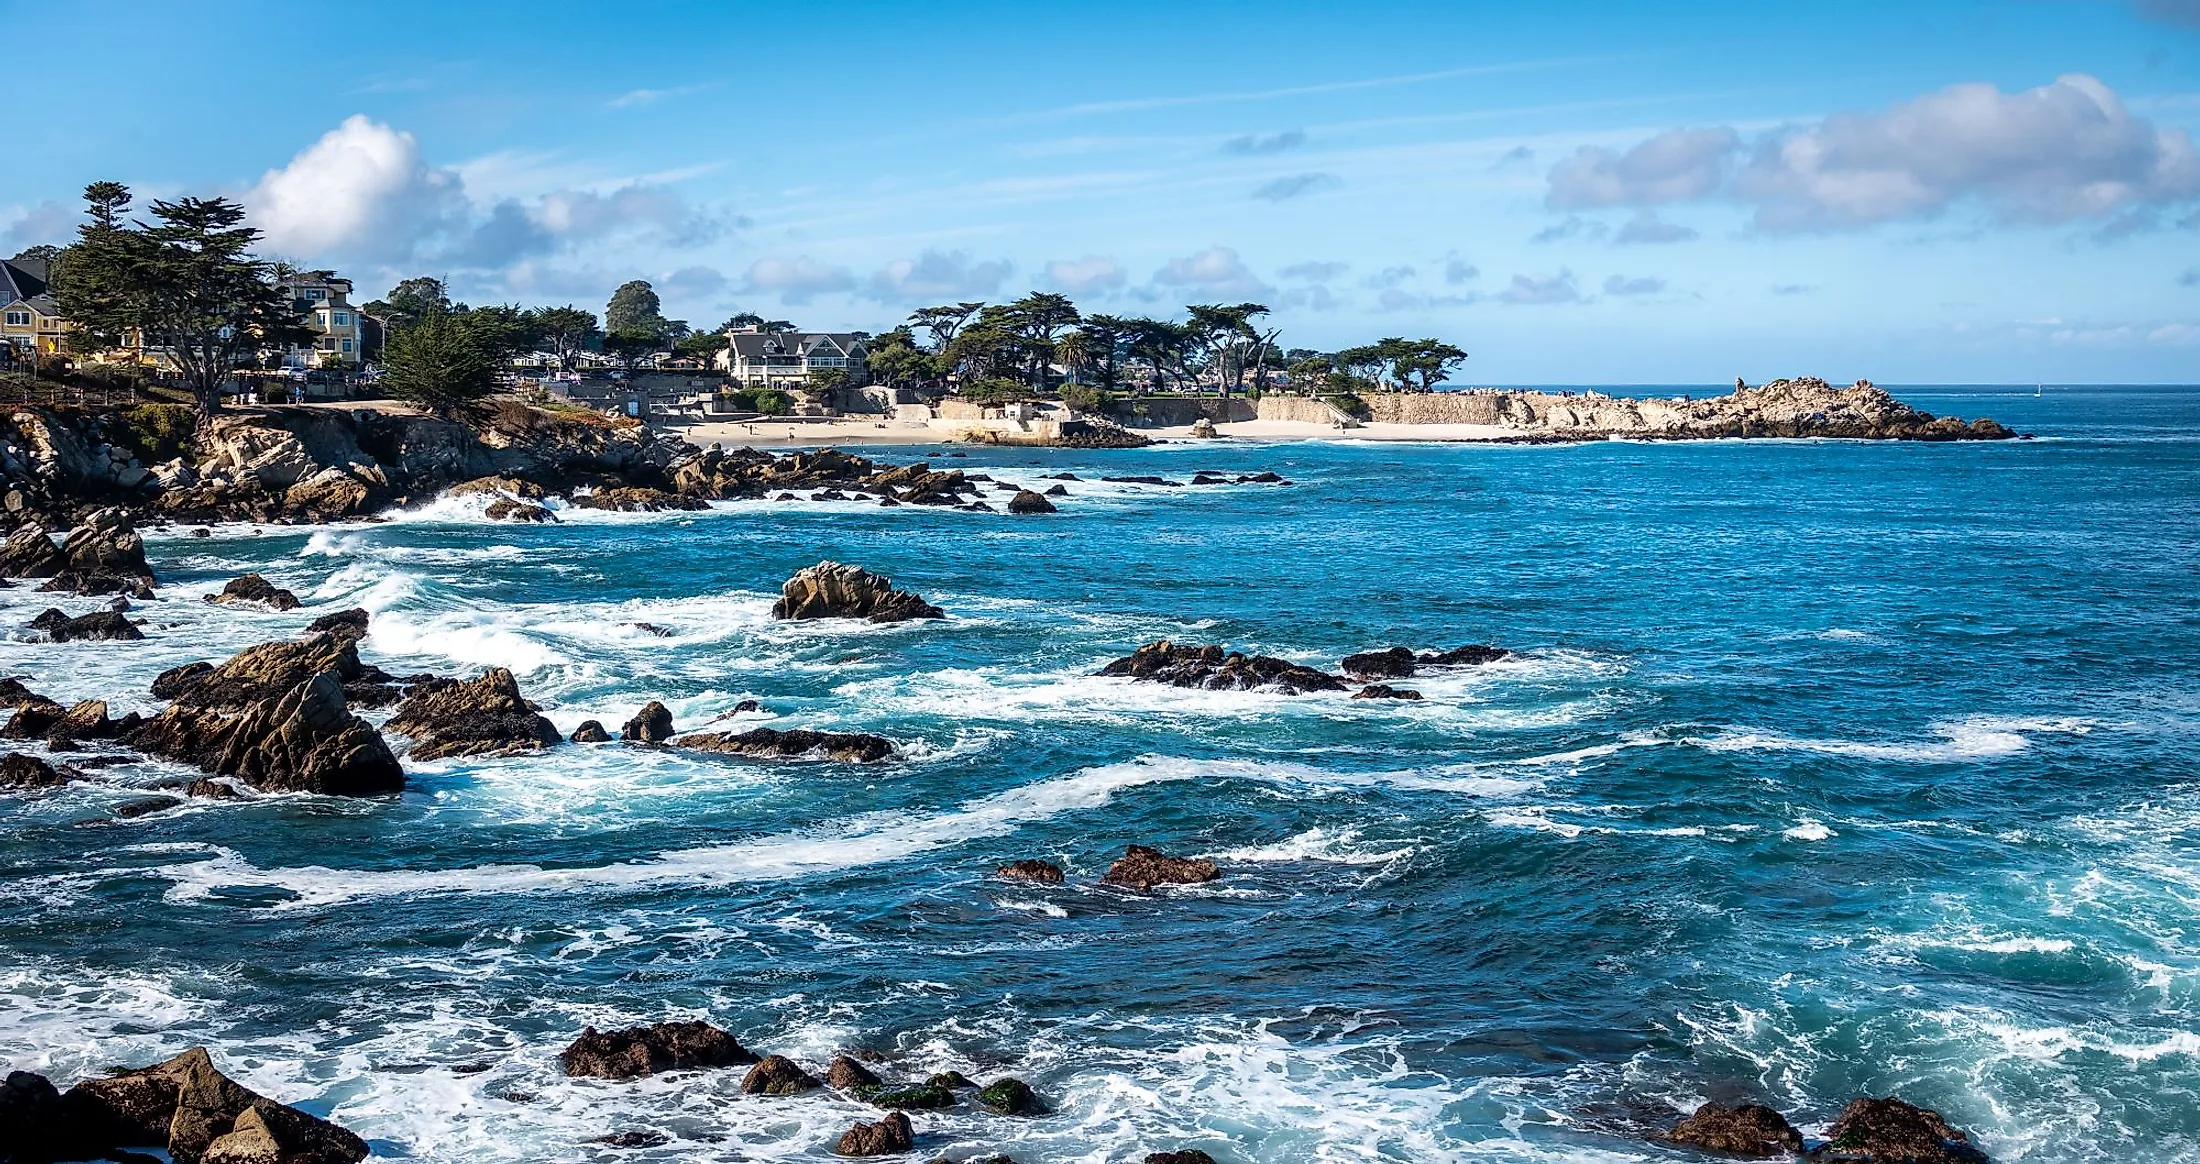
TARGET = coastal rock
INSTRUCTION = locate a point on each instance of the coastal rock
(480, 717)
(172, 683)
(1889, 1131)
(1472, 655)
(1215, 669)
(927, 1096)
(1027, 501)
(1187, 1156)
(1748, 1130)
(831, 590)
(887, 1137)
(21, 773)
(263, 672)
(104, 555)
(590, 732)
(1395, 663)
(638, 1051)
(146, 807)
(777, 1075)
(1204, 429)
(638, 499)
(1011, 1096)
(770, 743)
(305, 740)
(30, 552)
(201, 1116)
(508, 486)
(1056, 491)
(1141, 867)
(344, 625)
(505, 509)
(333, 494)
(950, 1079)
(1386, 691)
(845, 1074)
(254, 590)
(651, 725)
(98, 626)
(34, 1122)
(634, 1140)
(1043, 872)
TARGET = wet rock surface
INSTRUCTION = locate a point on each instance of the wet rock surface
(1890, 1131)
(832, 590)
(884, 1138)
(778, 1075)
(637, 1051)
(301, 740)
(1216, 669)
(100, 626)
(1141, 867)
(797, 743)
(1042, 872)
(199, 1116)
(1395, 663)
(1011, 1096)
(254, 590)
(651, 725)
(1747, 1130)
(479, 717)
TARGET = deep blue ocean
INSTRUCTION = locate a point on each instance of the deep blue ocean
(1824, 769)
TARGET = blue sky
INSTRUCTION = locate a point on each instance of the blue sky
(1574, 192)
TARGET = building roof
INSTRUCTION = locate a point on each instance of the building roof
(23, 279)
(756, 345)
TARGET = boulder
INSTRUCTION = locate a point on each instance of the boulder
(845, 1074)
(332, 494)
(638, 1051)
(20, 773)
(1204, 429)
(172, 683)
(1056, 491)
(254, 590)
(638, 499)
(777, 1075)
(30, 552)
(1011, 1096)
(950, 1079)
(305, 740)
(1187, 1156)
(34, 1123)
(923, 1097)
(349, 625)
(104, 555)
(831, 590)
(202, 1117)
(98, 626)
(1215, 669)
(265, 671)
(634, 1140)
(480, 717)
(1027, 501)
(1386, 691)
(1467, 656)
(1143, 868)
(1395, 663)
(1889, 1131)
(590, 732)
(1747, 1130)
(651, 725)
(887, 1137)
(510, 486)
(146, 806)
(505, 509)
(1043, 872)
(770, 743)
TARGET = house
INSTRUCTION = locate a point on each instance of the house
(325, 301)
(30, 319)
(785, 360)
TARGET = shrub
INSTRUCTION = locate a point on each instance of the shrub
(156, 432)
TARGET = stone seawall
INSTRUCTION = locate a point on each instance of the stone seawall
(1297, 410)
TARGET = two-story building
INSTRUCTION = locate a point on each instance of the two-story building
(324, 300)
(30, 320)
(785, 359)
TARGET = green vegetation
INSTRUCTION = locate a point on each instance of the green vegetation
(440, 364)
(156, 432)
(996, 390)
(763, 401)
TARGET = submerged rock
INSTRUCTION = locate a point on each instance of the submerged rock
(254, 590)
(638, 499)
(777, 1075)
(479, 717)
(651, 725)
(771, 743)
(1143, 868)
(638, 1051)
(1889, 1131)
(201, 1116)
(884, 1138)
(1187, 1156)
(1043, 872)
(98, 626)
(1748, 1130)
(1395, 663)
(832, 590)
(1011, 1096)
(1215, 669)
(1468, 656)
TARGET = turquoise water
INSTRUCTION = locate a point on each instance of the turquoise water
(1825, 769)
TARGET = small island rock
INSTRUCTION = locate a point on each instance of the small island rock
(636, 1051)
(1141, 867)
(1747, 1130)
(832, 590)
(887, 1137)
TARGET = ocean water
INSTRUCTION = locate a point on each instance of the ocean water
(1824, 769)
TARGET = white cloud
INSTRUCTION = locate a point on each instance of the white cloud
(1573, 227)
(1646, 228)
(1085, 276)
(1314, 271)
(1275, 143)
(363, 188)
(1531, 291)
(637, 97)
(1388, 277)
(1295, 185)
(800, 279)
(45, 223)
(1622, 285)
(1458, 270)
(1675, 166)
(637, 206)
(938, 275)
(1215, 271)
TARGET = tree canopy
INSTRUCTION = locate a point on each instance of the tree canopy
(440, 363)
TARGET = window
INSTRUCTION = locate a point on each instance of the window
(313, 294)
(347, 347)
(343, 319)
(19, 319)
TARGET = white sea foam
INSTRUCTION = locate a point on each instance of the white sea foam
(1975, 737)
(1808, 830)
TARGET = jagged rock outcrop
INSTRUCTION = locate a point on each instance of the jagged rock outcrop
(832, 590)
(344, 625)
(1472, 655)
(638, 499)
(638, 1051)
(1889, 1131)
(508, 510)
(480, 717)
(303, 740)
(1386, 691)
(778, 1075)
(254, 590)
(200, 1116)
(1141, 867)
(98, 626)
(1395, 663)
(104, 555)
(886, 1137)
(269, 670)
(1187, 1156)
(21, 773)
(30, 552)
(1043, 872)
(1028, 502)
(1215, 669)
(798, 743)
(651, 725)
(1746, 1130)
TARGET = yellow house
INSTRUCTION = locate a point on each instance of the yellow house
(30, 320)
(324, 300)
